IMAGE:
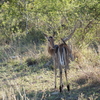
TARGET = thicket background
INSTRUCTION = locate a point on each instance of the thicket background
(23, 54)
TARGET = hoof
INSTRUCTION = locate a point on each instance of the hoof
(68, 87)
(60, 88)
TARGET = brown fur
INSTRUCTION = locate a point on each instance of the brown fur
(60, 54)
(51, 51)
(65, 46)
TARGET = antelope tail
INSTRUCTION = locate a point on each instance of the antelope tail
(61, 56)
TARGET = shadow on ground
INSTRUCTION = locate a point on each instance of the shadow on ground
(80, 90)
(90, 92)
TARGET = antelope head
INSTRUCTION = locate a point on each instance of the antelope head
(50, 41)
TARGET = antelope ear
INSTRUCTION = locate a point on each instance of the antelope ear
(46, 36)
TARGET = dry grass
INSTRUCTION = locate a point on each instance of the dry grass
(18, 81)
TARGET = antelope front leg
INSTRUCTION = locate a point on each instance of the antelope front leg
(61, 85)
(55, 71)
(55, 78)
(68, 87)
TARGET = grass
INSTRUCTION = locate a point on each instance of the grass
(20, 80)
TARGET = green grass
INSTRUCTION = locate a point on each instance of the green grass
(39, 85)
(20, 81)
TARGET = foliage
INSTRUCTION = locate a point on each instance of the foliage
(49, 16)
(24, 71)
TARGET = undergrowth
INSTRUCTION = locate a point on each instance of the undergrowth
(30, 76)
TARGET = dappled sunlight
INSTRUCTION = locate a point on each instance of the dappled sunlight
(33, 77)
(40, 84)
(26, 68)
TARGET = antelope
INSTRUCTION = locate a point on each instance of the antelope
(60, 54)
